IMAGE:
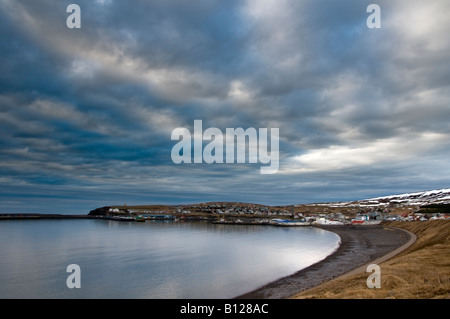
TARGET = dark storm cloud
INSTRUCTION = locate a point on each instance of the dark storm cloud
(87, 114)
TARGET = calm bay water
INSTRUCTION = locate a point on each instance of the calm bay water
(157, 259)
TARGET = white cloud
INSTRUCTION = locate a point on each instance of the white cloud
(392, 150)
(276, 33)
(420, 25)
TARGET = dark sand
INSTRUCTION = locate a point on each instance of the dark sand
(360, 245)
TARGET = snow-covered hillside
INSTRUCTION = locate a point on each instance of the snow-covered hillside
(439, 196)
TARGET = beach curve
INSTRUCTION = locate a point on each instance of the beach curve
(360, 245)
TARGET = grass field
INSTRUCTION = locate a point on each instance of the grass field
(420, 272)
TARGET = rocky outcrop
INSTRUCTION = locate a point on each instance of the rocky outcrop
(102, 211)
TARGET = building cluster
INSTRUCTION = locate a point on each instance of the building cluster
(417, 216)
(374, 217)
(362, 215)
(234, 209)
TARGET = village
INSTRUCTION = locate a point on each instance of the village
(293, 215)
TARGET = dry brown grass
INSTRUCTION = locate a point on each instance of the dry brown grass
(420, 272)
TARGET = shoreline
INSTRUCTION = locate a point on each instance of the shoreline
(359, 246)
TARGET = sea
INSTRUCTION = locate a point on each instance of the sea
(151, 260)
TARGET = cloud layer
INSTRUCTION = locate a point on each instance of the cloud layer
(86, 114)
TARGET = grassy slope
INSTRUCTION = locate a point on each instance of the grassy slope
(422, 271)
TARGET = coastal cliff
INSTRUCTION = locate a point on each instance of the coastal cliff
(102, 211)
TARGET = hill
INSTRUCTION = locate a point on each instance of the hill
(388, 205)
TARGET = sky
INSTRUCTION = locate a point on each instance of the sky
(86, 114)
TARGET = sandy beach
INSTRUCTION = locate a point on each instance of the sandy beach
(359, 246)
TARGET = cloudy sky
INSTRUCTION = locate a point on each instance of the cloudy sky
(86, 115)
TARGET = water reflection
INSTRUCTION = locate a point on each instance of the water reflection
(158, 259)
